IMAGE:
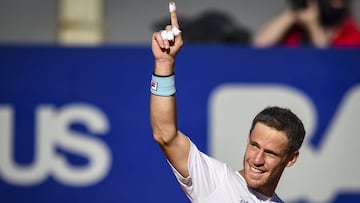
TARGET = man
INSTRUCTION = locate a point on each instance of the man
(273, 142)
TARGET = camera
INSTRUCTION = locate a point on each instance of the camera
(298, 4)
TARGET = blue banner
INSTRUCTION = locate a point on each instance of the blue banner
(74, 122)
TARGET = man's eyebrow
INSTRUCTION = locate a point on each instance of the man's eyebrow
(253, 142)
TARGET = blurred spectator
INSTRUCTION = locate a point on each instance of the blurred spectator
(318, 23)
(211, 26)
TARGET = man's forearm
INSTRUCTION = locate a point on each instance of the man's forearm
(163, 118)
(318, 35)
(163, 108)
(274, 30)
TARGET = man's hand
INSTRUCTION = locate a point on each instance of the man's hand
(310, 15)
(166, 47)
(310, 20)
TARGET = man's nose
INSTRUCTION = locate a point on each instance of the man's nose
(259, 158)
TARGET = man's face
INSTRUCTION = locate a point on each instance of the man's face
(265, 158)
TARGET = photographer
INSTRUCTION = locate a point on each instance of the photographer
(318, 23)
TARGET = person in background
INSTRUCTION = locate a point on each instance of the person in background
(318, 23)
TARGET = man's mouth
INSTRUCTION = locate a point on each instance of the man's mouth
(256, 170)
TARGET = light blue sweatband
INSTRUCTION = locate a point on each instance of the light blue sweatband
(163, 85)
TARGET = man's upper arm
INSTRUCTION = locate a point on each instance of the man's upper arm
(177, 152)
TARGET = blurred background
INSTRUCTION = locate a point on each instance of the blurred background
(122, 22)
(74, 90)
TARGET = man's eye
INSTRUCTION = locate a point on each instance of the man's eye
(271, 154)
(253, 145)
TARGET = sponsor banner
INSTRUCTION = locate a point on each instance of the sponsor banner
(74, 122)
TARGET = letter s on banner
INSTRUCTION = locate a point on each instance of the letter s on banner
(53, 131)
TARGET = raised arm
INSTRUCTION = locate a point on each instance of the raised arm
(163, 115)
(274, 30)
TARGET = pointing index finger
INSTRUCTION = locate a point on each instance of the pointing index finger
(173, 16)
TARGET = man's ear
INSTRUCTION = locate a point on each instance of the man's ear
(292, 158)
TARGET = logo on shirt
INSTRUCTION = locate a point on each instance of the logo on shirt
(243, 200)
